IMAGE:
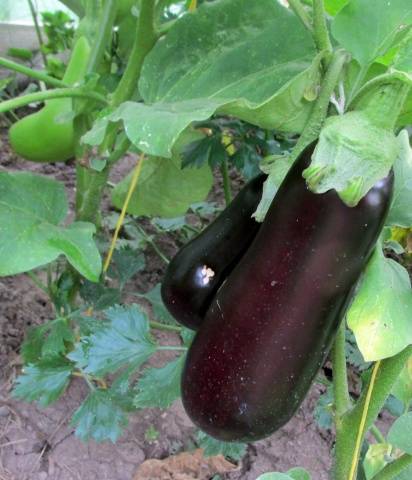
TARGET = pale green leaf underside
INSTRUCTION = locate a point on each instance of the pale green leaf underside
(229, 57)
(380, 315)
(402, 389)
(399, 434)
(368, 29)
(276, 174)
(165, 190)
(350, 157)
(31, 210)
(400, 213)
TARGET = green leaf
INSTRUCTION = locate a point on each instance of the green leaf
(187, 336)
(277, 167)
(99, 295)
(324, 409)
(31, 348)
(123, 341)
(402, 389)
(334, 6)
(212, 447)
(183, 81)
(126, 263)
(399, 434)
(381, 310)
(164, 188)
(368, 29)
(298, 473)
(99, 418)
(160, 312)
(160, 387)
(400, 213)
(350, 157)
(169, 224)
(406, 474)
(33, 207)
(44, 381)
(375, 459)
(60, 333)
(403, 59)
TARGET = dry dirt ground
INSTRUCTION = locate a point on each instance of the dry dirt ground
(39, 444)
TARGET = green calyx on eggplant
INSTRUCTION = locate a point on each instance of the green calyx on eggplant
(271, 324)
(197, 271)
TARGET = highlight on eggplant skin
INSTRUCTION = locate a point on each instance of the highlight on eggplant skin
(271, 324)
(199, 268)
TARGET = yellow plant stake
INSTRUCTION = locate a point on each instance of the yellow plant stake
(132, 187)
(355, 458)
(193, 5)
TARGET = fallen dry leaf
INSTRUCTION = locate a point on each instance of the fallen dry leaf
(184, 466)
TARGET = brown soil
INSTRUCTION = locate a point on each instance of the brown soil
(39, 444)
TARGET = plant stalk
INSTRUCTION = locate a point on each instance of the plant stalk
(340, 379)
(320, 31)
(367, 409)
(29, 72)
(104, 35)
(301, 13)
(163, 326)
(153, 244)
(50, 95)
(38, 30)
(145, 39)
(320, 109)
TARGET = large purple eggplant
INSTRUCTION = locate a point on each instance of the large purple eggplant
(271, 324)
(196, 272)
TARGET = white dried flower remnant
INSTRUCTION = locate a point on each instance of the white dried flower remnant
(207, 274)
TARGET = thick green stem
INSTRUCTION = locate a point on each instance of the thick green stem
(29, 72)
(38, 30)
(394, 468)
(301, 13)
(49, 95)
(226, 181)
(104, 34)
(386, 377)
(320, 109)
(320, 30)
(89, 190)
(146, 37)
(340, 379)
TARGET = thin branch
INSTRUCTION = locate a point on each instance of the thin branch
(29, 72)
(18, 102)
(301, 12)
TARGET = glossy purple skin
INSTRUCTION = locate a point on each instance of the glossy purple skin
(272, 322)
(186, 291)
